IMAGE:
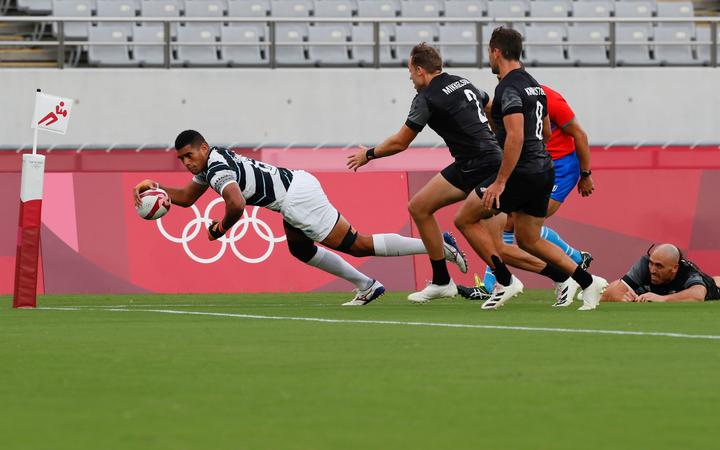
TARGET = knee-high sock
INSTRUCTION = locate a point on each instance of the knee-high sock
(489, 278)
(390, 244)
(332, 263)
(551, 235)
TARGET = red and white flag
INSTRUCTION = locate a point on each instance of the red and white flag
(52, 113)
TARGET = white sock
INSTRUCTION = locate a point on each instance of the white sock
(332, 263)
(390, 244)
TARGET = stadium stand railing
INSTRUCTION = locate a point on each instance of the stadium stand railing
(174, 41)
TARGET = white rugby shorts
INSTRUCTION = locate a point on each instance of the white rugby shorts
(307, 208)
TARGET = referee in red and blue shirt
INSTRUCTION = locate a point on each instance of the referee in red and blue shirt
(569, 150)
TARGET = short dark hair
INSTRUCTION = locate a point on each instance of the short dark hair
(427, 57)
(191, 137)
(508, 41)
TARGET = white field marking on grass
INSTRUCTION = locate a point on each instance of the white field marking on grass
(397, 322)
(132, 305)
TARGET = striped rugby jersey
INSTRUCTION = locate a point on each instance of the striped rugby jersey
(261, 184)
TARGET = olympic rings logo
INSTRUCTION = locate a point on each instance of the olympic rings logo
(236, 233)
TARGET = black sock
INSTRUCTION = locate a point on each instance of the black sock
(440, 272)
(583, 278)
(554, 273)
(502, 274)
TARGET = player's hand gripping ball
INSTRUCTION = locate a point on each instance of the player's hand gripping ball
(155, 203)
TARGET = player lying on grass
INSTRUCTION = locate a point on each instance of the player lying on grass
(663, 275)
(308, 215)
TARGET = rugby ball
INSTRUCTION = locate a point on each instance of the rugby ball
(155, 204)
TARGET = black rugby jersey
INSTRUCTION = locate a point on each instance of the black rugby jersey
(453, 108)
(518, 92)
(261, 184)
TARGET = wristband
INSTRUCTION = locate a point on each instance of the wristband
(370, 154)
(585, 173)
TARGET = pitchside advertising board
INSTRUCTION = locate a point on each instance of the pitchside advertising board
(93, 241)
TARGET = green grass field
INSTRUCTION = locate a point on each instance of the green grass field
(93, 378)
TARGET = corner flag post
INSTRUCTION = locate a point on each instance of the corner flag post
(51, 114)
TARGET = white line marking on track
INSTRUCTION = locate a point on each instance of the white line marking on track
(397, 322)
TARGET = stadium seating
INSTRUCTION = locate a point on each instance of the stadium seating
(109, 55)
(550, 50)
(588, 55)
(458, 54)
(197, 55)
(329, 55)
(457, 41)
(116, 8)
(73, 8)
(703, 49)
(669, 55)
(148, 55)
(241, 55)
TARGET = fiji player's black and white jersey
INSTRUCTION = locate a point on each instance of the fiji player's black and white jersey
(261, 184)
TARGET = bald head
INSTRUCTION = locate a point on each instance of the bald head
(664, 263)
(668, 253)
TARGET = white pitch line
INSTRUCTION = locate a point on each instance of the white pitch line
(397, 322)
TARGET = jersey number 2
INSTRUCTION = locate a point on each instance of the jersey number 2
(473, 98)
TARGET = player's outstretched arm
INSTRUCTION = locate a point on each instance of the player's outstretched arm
(234, 207)
(390, 146)
(692, 294)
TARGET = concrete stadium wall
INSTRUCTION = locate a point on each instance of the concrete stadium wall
(680, 105)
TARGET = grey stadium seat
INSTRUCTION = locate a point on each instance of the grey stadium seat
(109, 55)
(335, 8)
(73, 8)
(376, 8)
(594, 8)
(250, 8)
(458, 55)
(421, 8)
(653, 4)
(538, 55)
(329, 55)
(674, 54)
(204, 8)
(675, 9)
(35, 6)
(241, 55)
(507, 8)
(148, 55)
(465, 8)
(363, 33)
(409, 35)
(116, 8)
(634, 54)
(160, 8)
(291, 8)
(704, 46)
(549, 8)
(585, 55)
(197, 55)
(634, 9)
(291, 54)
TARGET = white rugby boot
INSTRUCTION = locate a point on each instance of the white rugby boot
(434, 291)
(501, 294)
(365, 296)
(591, 295)
(565, 293)
(453, 253)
